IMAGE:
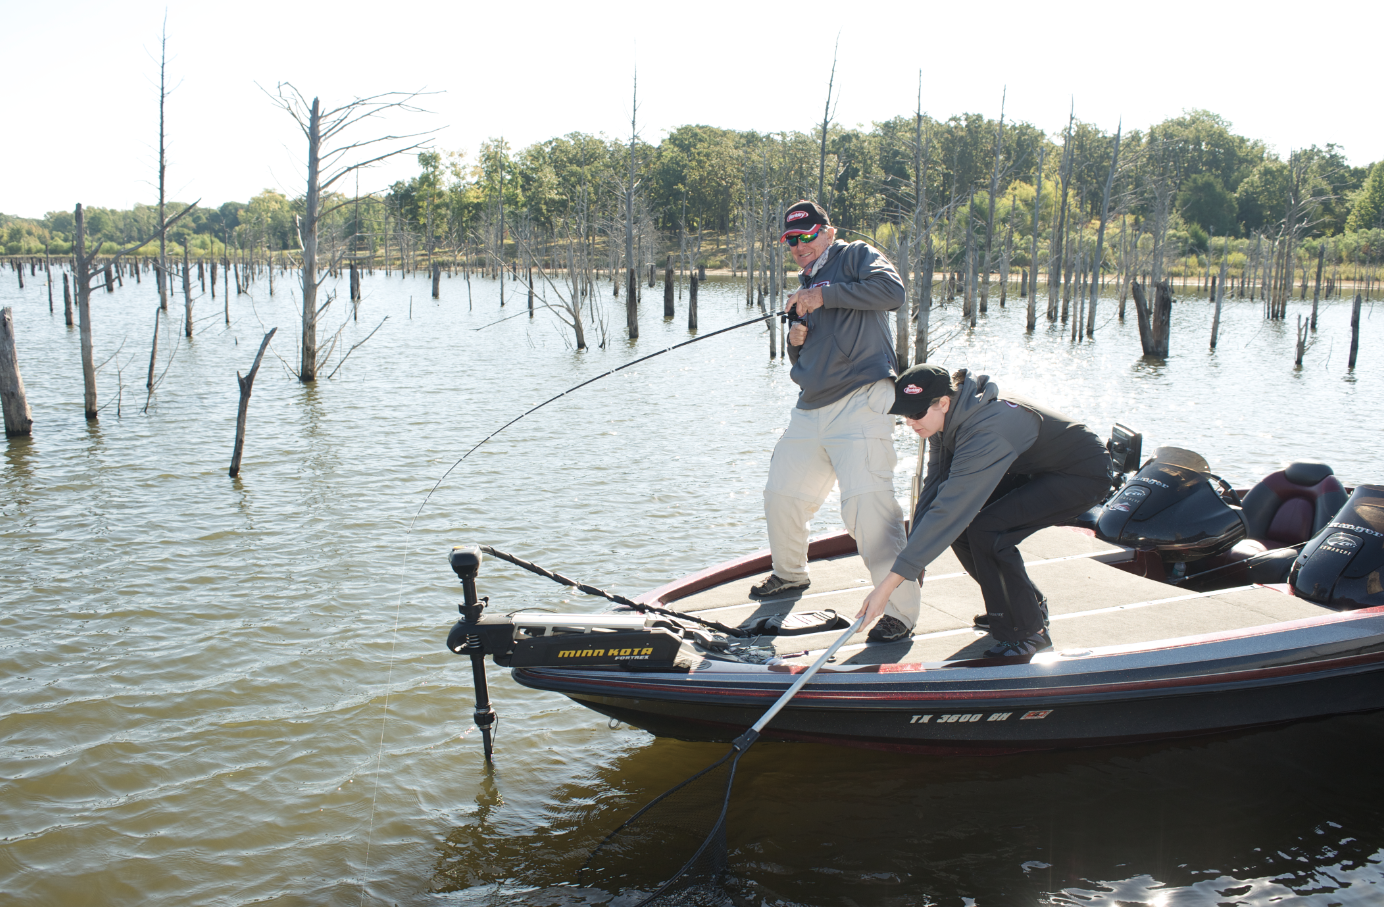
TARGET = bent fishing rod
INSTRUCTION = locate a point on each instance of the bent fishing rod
(756, 320)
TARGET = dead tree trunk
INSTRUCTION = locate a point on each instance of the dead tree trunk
(668, 287)
(83, 276)
(1317, 286)
(1100, 235)
(1154, 324)
(19, 419)
(631, 300)
(153, 352)
(437, 282)
(1218, 290)
(692, 303)
(1032, 293)
(246, 384)
(66, 301)
(307, 359)
(989, 263)
(1354, 331)
(187, 296)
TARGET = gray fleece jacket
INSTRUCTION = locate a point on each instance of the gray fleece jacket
(849, 344)
(985, 436)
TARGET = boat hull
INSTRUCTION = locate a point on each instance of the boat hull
(1178, 688)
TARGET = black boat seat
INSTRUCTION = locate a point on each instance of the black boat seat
(1290, 506)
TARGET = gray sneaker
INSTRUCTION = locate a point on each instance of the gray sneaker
(889, 629)
(776, 585)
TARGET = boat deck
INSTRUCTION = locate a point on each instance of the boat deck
(1091, 604)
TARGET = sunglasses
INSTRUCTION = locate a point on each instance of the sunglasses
(804, 238)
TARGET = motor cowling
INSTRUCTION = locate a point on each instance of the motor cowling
(1171, 506)
(1343, 565)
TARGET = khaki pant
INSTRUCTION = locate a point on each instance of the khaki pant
(851, 442)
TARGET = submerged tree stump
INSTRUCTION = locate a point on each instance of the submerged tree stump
(692, 303)
(187, 296)
(668, 287)
(18, 418)
(66, 301)
(1354, 331)
(1154, 322)
(246, 384)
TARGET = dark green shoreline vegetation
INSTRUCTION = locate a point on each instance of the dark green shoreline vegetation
(1188, 190)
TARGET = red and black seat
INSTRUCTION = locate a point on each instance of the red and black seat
(1290, 506)
(1284, 510)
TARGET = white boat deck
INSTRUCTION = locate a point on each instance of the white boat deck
(1091, 605)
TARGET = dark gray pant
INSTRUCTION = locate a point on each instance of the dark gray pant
(988, 549)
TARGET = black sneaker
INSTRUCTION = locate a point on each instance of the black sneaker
(776, 585)
(1033, 644)
(982, 621)
(889, 629)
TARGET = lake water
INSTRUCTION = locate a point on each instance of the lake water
(228, 691)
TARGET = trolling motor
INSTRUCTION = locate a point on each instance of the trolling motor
(466, 561)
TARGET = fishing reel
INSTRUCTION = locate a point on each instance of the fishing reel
(790, 316)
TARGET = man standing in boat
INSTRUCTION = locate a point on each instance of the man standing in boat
(999, 469)
(840, 431)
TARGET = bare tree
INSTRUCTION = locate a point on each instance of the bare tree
(83, 272)
(922, 232)
(163, 169)
(1032, 321)
(990, 219)
(826, 121)
(331, 156)
(1100, 233)
(631, 290)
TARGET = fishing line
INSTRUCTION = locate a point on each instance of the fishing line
(399, 601)
(755, 320)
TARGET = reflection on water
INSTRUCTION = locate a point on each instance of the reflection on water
(1245, 819)
(220, 691)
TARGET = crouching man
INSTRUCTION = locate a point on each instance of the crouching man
(999, 469)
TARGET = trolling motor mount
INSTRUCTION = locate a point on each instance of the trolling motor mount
(466, 561)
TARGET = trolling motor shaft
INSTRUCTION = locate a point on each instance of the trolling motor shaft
(466, 561)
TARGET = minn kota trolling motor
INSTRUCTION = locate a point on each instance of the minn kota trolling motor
(466, 561)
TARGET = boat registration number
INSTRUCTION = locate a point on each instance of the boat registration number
(962, 717)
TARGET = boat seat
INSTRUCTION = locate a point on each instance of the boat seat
(1290, 506)
(1284, 510)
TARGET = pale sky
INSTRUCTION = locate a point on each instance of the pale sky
(81, 125)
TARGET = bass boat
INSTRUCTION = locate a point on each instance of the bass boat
(1178, 607)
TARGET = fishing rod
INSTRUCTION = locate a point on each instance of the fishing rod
(756, 320)
(487, 722)
(1240, 563)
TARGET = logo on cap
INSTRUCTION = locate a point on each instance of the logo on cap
(912, 389)
(796, 215)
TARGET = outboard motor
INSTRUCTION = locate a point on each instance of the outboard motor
(1172, 507)
(1343, 565)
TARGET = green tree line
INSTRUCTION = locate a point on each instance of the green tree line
(1212, 182)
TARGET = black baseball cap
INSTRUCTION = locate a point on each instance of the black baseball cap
(917, 387)
(804, 217)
